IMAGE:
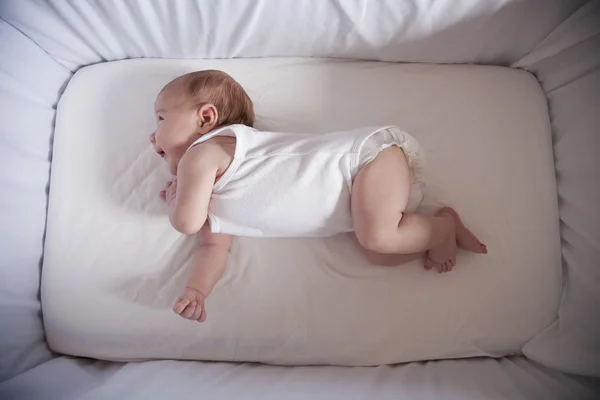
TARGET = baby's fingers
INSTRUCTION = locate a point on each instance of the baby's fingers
(189, 310)
(180, 306)
(163, 195)
(203, 315)
(197, 313)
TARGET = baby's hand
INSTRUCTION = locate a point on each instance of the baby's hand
(169, 192)
(190, 305)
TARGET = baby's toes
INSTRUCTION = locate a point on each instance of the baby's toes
(444, 266)
(448, 266)
(428, 263)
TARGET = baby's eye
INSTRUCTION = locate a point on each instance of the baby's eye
(160, 118)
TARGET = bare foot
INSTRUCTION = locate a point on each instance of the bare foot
(465, 239)
(444, 254)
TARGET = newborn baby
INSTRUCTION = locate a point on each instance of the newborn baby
(234, 180)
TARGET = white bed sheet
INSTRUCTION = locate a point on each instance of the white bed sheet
(476, 379)
(113, 265)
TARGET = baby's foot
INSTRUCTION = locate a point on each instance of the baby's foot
(465, 239)
(444, 254)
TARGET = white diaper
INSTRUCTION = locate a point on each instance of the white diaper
(414, 155)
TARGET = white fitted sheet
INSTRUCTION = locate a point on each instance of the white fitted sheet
(113, 265)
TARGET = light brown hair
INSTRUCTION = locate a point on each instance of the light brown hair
(219, 89)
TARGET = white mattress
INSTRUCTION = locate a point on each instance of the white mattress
(113, 265)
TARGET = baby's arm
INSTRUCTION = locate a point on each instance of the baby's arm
(196, 175)
(209, 263)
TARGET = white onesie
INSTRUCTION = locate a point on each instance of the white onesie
(298, 185)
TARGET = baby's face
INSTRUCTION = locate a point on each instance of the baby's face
(176, 125)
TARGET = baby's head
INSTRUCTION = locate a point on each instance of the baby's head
(193, 105)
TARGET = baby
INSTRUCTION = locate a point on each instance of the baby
(232, 179)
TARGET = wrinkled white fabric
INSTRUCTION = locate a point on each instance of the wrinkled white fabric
(568, 66)
(79, 33)
(473, 379)
(30, 83)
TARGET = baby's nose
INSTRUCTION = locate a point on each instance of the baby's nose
(153, 138)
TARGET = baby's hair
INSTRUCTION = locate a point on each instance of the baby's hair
(219, 89)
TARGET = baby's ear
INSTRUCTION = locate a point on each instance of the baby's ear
(207, 116)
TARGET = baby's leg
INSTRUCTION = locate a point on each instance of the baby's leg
(380, 193)
(387, 260)
(390, 260)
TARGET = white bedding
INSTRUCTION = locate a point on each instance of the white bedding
(475, 379)
(27, 100)
(80, 33)
(113, 265)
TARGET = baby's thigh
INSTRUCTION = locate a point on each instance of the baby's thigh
(386, 260)
(381, 190)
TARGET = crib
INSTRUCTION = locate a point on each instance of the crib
(45, 42)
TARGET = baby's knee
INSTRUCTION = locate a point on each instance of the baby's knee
(376, 239)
